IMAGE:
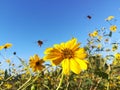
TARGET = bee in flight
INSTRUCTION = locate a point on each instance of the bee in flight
(40, 42)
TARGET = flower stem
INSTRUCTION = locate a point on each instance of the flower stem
(60, 82)
(24, 84)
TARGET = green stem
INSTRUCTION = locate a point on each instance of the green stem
(28, 69)
(24, 84)
(60, 82)
(108, 86)
(31, 82)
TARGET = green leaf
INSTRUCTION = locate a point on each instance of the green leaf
(101, 74)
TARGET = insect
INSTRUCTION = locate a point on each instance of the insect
(89, 17)
(40, 42)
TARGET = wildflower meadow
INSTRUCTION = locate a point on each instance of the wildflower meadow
(95, 66)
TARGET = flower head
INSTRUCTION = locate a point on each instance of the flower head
(69, 55)
(5, 46)
(8, 61)
(36, 63)
(8, 85)
(117, 56)
(94, 34)
(109, 18)
(113, 28)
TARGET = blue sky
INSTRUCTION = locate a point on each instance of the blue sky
(23, 22)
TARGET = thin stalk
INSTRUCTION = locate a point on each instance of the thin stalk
(60, 82)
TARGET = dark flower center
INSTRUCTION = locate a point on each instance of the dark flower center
(67, 53)
(37, 63)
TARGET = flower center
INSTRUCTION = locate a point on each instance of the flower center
(37, 63)
(67, 53)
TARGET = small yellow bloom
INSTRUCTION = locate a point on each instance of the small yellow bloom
(8, 61)
(5, 46)
(113, 28)
(69, 54)
(90, 34)
(8, 86)
(109, 18)
(94, 34)
(117, 56)
(36, 63)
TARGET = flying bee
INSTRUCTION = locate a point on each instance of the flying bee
(89, 17)
(40, 42)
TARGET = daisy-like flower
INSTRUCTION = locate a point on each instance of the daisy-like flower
(109, 18)
(8, 61)
(113, 28)
(36, 63)
(94, 34)
(69, 55)
(5, 46)
(117, 56)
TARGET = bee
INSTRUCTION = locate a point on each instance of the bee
(89, 17)
(40, 42)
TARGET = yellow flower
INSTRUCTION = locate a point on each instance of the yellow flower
(90, 34)
(69, 55)
(113, 28)
(8, 86)
(109, 18)
(117, 56)
(36, 63)
(5, 46)
(94, 34)
(8, 61)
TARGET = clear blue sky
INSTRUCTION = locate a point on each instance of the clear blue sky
(23, 22)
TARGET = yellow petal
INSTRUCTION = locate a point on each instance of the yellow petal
(75, 47)
(57, 46)
(82, 63)
(1, 47)
(81, 53)
(66, 66)
(51, 57)
(109, 18)
(7, 45)
(113, 28)
(74, 66)
(56, 61)
(70, 43)
(62, 45)
(47, 51)
(36, 57)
